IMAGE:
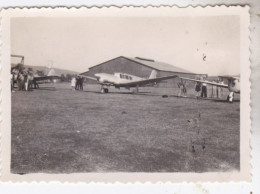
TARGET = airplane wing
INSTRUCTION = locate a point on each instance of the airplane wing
(145, 82)
(88, 77)
(229, 77)
(206, 82)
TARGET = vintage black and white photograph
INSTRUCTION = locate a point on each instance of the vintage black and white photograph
(124, 94)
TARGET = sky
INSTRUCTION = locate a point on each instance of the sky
(198, 44)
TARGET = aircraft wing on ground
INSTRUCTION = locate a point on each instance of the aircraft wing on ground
(145, 82)
(88, 77)
(42, 78)
(206, 82)
(229, 77)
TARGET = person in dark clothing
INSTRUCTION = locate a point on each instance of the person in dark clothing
(81, 80)
(35, 84)
(198, 89)
(77, 83)
(204, 91)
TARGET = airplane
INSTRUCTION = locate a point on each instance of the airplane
(125, 80)
(233, 84)
(50, 77)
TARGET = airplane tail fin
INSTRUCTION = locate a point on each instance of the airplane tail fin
(153, 74)
(51, 71)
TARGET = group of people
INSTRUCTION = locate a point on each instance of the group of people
(201, 89)
(77, 83)
(24, 80)
(183, 89)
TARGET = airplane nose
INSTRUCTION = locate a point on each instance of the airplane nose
(97, 75)
(99, 79)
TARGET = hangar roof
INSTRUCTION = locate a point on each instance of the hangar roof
(158, 65)
(153, 64)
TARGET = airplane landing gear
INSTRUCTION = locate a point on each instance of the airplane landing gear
(230, 97)
(104, 90)
(135, 90)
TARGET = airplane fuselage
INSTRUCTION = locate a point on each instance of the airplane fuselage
(115, 79)
(124, 80)
(234, 85)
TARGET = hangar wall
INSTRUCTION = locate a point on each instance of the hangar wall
(125, 65)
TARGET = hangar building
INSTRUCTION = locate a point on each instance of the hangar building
(142, 68)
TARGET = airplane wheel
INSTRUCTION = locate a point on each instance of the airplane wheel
(106, 90)
(102, 90)
(230, 99)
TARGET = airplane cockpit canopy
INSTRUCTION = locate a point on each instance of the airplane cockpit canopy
(124, 76)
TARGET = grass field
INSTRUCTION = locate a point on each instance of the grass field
(64, 131)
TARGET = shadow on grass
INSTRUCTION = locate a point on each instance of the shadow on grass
(209, 99)
(47, 88)
(125, 93)
(225, 101)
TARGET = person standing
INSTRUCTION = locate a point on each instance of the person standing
(77, 83)
(81, 83)
(14, 78)
(230, 97)
(20, 81)
(26, 81)
(30, 81)
(204, 90)
(180, 86)
(35, 84)
(198, 89)
(73, 83)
